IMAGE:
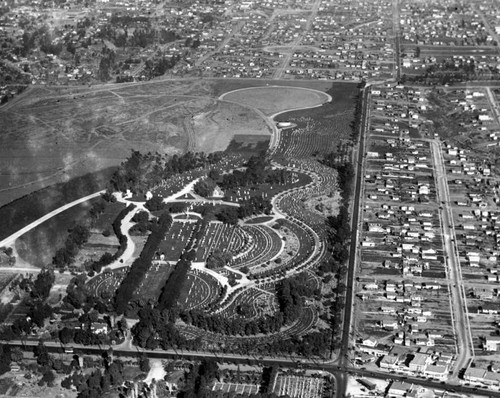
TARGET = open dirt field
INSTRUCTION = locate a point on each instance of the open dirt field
(53, 134)
(50, 135)
(274, 99)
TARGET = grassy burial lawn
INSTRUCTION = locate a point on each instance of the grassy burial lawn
(322, 129)
(199, 291)
(175, 240)
(105, 284)
(266, 189)
(153, 283)
(39, 245)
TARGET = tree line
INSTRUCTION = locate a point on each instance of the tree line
(98, 382)
(37, 310)
(156, 328)
(80, 234)
(77, 237)
(175, 282)
(108, 258)
(257, 171)
(141, 171)
(358, 113)
(173, 286)
(140, 266)
(338, 237)
(290, 296)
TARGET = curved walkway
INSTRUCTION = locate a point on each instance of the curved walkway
(126, 257)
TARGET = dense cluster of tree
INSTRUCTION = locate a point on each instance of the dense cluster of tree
(269, 374)
(230, 214)
(119, 33)
(5, 310)
(141, 265)
(41, 38)
(290, 294)
(77, 293)
(97, 265)
(157, 328)
(289, 300)
(218, 258)
(84, 334)
(177, 278)
(339, 227)
(142, 223)
(37, 310)
(312, 344)
(42, 285)
(227, 215)
(175, 282)
(200, 378)
(99, 382)
(257, 170)
(156, 203)
(158, 65)
(106, 64)
(338, 237)
(177, 207)
(233, 326)
(358, 113)
(449, 71)
(254, 205)
(124, 79)
(77, 237)
(107, 258)
(205, 187)
(5, 359)
(81, 336)
(345, 175)
(141, 171)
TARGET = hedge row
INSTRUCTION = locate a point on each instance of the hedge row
(141, 265)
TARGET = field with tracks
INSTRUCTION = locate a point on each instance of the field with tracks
(53, 134)
(273, 99)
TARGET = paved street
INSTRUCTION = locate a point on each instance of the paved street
(458, 298)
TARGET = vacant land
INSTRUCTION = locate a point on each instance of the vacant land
(52, 135)
(222, 86)
(29, 208)
(38, 246)
(274, 99)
